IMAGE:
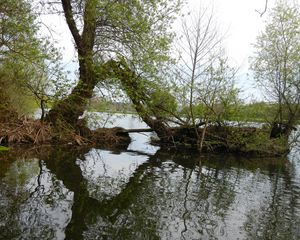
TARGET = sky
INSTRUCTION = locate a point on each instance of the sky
(241, 23)
(237, 19)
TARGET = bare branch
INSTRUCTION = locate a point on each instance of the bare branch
(264, 11)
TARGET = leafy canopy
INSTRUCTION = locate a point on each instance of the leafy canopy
(276, 62)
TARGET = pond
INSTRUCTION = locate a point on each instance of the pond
(143, 192)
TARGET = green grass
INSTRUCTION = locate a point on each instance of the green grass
(2, 148)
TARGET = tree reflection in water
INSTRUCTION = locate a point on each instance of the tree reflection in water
(278, 215)
(98, 194)
(33, 203)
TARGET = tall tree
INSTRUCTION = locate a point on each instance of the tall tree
(26, 59)
(205, 80)
(16, 33)
(104, 31)
(276, 65)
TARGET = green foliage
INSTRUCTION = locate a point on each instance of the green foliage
(139, 33)
(28, 63)
(217, 91)
(104, 105)
(276, 61)
(2, 148)
(161, 103)
(136, 30)
(17, 30)
(255, 112)
(215, 97)
(260, 143)
(16, 41)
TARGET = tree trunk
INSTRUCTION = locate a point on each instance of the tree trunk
(135, 90)
(71, 108)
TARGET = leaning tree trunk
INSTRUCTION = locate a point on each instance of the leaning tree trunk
(136, 91)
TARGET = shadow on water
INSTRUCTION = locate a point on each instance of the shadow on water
(99, 194)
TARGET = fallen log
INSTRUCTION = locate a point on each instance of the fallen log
(137, 130)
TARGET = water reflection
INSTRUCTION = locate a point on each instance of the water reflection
(33, 203)
(278, 215)
(100, 194)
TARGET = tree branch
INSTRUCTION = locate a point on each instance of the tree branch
(71, 22)
(264, 11)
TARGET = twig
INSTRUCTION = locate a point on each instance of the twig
(264, 11)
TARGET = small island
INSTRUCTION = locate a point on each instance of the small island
(188, 98)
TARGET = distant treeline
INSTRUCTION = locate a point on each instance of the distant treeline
(246, 112)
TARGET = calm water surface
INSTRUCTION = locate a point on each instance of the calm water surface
(145, 193)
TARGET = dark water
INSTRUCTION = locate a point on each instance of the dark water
(144, 193)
